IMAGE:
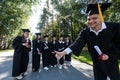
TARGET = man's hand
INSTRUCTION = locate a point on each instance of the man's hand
(26, 45)
(105, 57)
(59, 55)
(46, 47)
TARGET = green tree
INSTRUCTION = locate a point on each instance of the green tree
(14, 16)
(71, 15)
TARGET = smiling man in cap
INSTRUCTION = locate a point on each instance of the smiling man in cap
(103, 42)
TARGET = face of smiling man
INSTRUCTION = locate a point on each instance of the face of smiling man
(94, 22)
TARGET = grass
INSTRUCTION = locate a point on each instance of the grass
(86, 58)
(5, 50)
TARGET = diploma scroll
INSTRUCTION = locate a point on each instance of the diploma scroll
(27, 43)
(99, 52)
(61, 49)
(45, 45)
(38, 51)
(27, 40)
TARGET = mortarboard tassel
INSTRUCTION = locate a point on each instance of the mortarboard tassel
(100, 12)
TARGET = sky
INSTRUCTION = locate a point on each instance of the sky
(37, 11)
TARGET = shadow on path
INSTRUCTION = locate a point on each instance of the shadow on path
(66, 73)
(75, 72)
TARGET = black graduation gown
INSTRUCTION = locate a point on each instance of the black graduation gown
(53, 47)
(61, 47)
(20, 57)
(68, 56)
(37, 45)
(46, 54)
(109, 42)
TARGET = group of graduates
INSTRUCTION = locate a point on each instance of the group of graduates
(46, 48)
(41, 49)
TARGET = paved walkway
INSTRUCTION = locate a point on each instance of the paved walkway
(78, 70)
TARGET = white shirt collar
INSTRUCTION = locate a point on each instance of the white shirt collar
(102, 27)
(46, 41)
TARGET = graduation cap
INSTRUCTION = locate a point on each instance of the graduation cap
(53, 36)
(45, 36)
(97, 9)
(67, 36)
(61, 36)
(38, 33)
(25, 30)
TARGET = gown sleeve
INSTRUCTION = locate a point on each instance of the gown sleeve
(17, 42)
(79, 43)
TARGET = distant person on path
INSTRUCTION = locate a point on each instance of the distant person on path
(103, 42)
(22, 46)
(36, 52)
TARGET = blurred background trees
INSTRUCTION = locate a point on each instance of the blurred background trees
(14, 15)
(58, 17)
(69, 16)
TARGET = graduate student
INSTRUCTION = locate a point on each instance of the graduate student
(61, 47)
(36, 52)
(46, 53)
(103, 42)
(22, 46)
(68, 56)
(53, 47)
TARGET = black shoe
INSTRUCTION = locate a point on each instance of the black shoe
(34, 70)
(24, 74)
(19, 77)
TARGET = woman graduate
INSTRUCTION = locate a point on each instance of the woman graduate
(68, 56)
(53, 47)
(61, 47)
(103, 42)
(36, 52)
(22, 46)
(46, 53)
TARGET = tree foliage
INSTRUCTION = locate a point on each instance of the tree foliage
(65, 17)
(70, 16)
(14, 16)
